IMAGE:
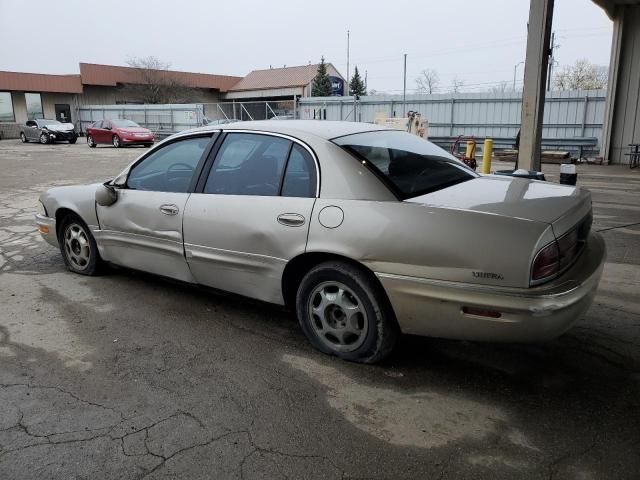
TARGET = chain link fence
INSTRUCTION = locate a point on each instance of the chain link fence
(255, 110)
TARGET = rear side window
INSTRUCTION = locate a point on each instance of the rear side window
(98, 124)
(409, 165)
(248, 164)
(300, 177)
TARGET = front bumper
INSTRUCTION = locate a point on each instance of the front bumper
(434, 308)
(62, 135)
(131, 140)
(47, 228)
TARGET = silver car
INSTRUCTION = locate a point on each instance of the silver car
(366, 232)
(45, 130)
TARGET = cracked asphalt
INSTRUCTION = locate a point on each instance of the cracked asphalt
(127, 376)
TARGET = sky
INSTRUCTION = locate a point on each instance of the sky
(478, 42)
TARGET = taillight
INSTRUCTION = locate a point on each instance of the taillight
(546, 263)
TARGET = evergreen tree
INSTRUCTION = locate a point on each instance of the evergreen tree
(321, 86)
(356, 85)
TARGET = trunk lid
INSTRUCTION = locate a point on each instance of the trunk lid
(561, 206)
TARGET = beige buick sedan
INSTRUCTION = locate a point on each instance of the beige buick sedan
(366, 232)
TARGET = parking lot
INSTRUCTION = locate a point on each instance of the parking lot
(131, 376)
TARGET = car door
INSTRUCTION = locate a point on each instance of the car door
(94, 131)
(31, 130)
(105, 132)
(248, 217)
(143, 228)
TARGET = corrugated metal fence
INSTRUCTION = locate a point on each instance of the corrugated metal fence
(567, 114)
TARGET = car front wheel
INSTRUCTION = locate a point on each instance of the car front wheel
(343, 311)
(116, 141)
(44, 138)
(78, 247)
(73, 140)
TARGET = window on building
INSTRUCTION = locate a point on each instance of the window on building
(6, 107)
(34, 105)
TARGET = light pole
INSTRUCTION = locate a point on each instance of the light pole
(515, 69)
(348, 79)
(404, 88)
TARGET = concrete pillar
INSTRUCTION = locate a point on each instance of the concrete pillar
(535, 74)
(612, 84)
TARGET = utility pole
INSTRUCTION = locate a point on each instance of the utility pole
(348, 79)
(553, 41)
(515, 69)
(365, 80)
(404, 89)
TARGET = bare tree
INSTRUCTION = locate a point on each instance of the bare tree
(583, 75)
(428, 81)
(155, 83)
(500, 87)
(456, 85)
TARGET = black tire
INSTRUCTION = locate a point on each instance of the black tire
(23, 138)
(73, 224)
(44, 139)
(148, 145)
(90, 142)
(115, 140)
(381, 326)
(73, 140)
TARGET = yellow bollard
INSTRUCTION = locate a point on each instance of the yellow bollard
(486, 156)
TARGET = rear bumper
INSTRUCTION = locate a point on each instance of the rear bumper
(434, 308)
(47, 228)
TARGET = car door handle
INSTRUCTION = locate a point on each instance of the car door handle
(169, 209)
(291, 219)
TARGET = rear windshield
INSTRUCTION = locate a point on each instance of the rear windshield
(408, 164)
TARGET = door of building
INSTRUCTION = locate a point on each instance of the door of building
(63, 113)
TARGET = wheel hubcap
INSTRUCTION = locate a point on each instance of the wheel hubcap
(77, 246)
(338, 317)
(116, 142)
(90, 140)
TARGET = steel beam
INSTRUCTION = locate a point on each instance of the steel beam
(535, 74)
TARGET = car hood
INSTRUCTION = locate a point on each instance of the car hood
(134, 130)
(63, 127)
(559, 205)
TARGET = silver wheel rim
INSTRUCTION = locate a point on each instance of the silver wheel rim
(43, 139)
(90, 141)
(116, 142)
(77, 246)
(338, 316)
(23, 138)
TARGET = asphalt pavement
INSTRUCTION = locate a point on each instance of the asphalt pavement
(128, 376)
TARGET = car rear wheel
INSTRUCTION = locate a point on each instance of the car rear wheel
(344, 312)
(73, 140)
(116, 141)
(44, 138)
(90, 142)
(78, 247)
(23, 137)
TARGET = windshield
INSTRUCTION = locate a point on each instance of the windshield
(124, 123)
(409, 165)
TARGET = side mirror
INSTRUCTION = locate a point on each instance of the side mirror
(106, 195)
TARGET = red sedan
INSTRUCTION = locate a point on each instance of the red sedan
(118, 133)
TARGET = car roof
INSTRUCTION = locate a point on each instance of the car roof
(325, 129)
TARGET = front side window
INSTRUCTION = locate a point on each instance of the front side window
(34, 105)
(248, 164)
(300, 177)
(170, 168)
(6, 107)
(409, 165)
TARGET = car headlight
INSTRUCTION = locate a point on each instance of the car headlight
(41, 209)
